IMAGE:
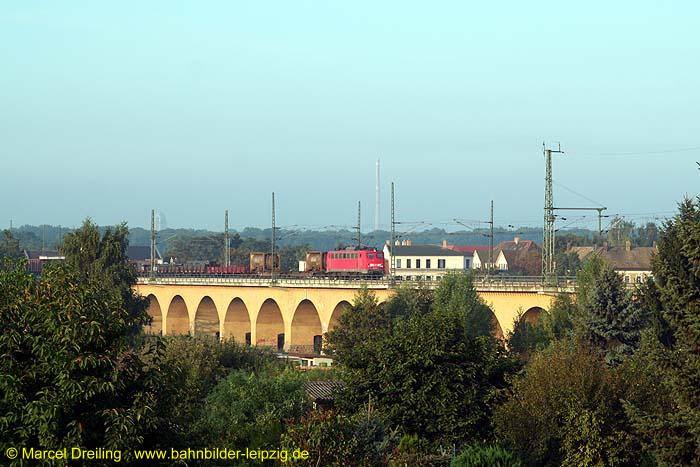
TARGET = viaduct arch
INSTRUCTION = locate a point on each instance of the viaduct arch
(291, 318)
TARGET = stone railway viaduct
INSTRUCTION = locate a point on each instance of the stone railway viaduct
(293, 314)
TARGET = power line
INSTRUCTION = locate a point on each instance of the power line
(578, 194)
(639, 153)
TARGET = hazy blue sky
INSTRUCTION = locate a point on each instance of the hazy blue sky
(110, 108)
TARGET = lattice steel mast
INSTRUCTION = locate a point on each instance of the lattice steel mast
(227, 242)
(548, 240)
(152, 269)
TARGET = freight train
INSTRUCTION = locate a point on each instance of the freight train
(348, 262)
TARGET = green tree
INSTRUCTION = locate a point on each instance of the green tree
(104, 258)
(478, 456)
(566, 409)
(620, 231)
(456, 295)
(567, 263)
(527, 337)
(675, 433)
(406, 363)
(646, 235)
(337, 439)
(558, 322)
(252, 410)
(70, 375)
(9, 246)
(613, 322)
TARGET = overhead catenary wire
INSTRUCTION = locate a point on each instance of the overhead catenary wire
(639, 153)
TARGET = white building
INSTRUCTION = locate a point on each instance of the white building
(425, 262)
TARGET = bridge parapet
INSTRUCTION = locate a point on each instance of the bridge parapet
(483, 284)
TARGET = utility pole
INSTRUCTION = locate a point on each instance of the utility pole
(600, 216)
(393, 235)
(272, 259)
(491, 239)
(152, 269)
(548, 240)
(227, 242)
(359, 234)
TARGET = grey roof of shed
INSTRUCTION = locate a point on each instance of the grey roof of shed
(424, 250)
(323, 390)
(140, 253)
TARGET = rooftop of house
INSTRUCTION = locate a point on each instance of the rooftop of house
(517, 245)
(621, 258)
(43, 254)
(467, 249)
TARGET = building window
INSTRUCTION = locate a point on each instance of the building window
(627, 279)
(417, 264)
(427, 264)
(441, 264)
(398, 263)
(467, 263)
(639, 279)
(408, 263)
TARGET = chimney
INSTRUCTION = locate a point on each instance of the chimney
(628, 245)
(403, 242)
(409, 242)
(444, 243)
(397, 242)
(516, 240)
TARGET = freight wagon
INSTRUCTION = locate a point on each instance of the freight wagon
(261, 263)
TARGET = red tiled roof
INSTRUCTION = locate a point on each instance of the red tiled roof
(468, 248)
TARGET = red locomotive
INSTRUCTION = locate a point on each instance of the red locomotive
(369, 261)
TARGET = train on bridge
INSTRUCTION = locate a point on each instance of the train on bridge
(364, 262)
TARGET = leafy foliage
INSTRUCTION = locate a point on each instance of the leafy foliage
(477, 456)
(675, 432)
(567, 263)
(434, 374)
(189, 368)
(558, 322)
(527, 337)
(613, 322)
(566, 410)
(252, 410)
(9, 246)
(333, 439)
(70, 375)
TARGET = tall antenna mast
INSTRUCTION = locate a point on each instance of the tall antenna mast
(152, 269)
(548, 240)
(227, 242)
(392, 248)
(359, 234)
(376, 200)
